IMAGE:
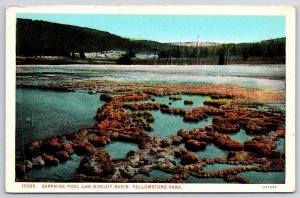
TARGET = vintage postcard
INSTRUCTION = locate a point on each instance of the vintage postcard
(150, 99)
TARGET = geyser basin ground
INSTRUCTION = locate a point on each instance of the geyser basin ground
(67, 112)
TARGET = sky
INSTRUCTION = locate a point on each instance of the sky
(175, 28)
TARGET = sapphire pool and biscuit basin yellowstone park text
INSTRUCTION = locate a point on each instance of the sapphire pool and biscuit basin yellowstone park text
(96, 107)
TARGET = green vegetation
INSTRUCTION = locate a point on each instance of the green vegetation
(125, 60)
(37, 39)
(40, 38)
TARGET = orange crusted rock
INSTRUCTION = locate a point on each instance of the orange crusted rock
(106, 97)
(32, 148)
(99, 140)
(227, 128)
(62, 156)
(188, 158)
(50, 160)
(96, 163)
(224, 142)
(82, 148)
(51, 145)
(195, 115)
(195, 145)
(188, 102)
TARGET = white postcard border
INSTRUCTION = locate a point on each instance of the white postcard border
(19, 187)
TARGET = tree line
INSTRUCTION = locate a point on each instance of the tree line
(40, 38)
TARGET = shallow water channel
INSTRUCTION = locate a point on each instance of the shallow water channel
(166, 125)
(197, 101)
(41, 114)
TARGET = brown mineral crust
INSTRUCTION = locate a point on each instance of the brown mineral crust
(245, 113)
(111, 125)
(269, 153)
(141, 119)
(224, 142)
(274, 165)
(188, 102)
(230, 172)
(62, 156)
(215, 103)
(51, 145)
(255, 115)
(280, 133)
(270, 122)
(258, 124)
(154, 92)
(112, 111)
(67, 148)
(176, 140)
(185, 134)
(136, 96)
(146, 141)
(150, 119)
(226, 128)
(242, 180)
(75, 136)
(266, 141)
(96, 163)
(197, 134)
(220, 140)
(227, 118)
(106, 97)
(134, 138)
(252, 127)
(175, 97)
(230, 178)
(50, 151)
(262, 145)
(188, 158)
(82, 148)
(142, 106)
(121, 132)
(32, 148)
(227, 123)
(195, 145)
(195, 115)
(50, 160)
(213, 111)
(244, 157)
(165, 143)
(144, 171)
(99, 140)
(146, 115)
(224, 96)
(175, 111)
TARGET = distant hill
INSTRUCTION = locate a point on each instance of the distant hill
(40, 38)
(46, 38)
(195, 44)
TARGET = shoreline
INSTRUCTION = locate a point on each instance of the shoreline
(206, 61)
(136, 65)
(162, 88)
(162, 69)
